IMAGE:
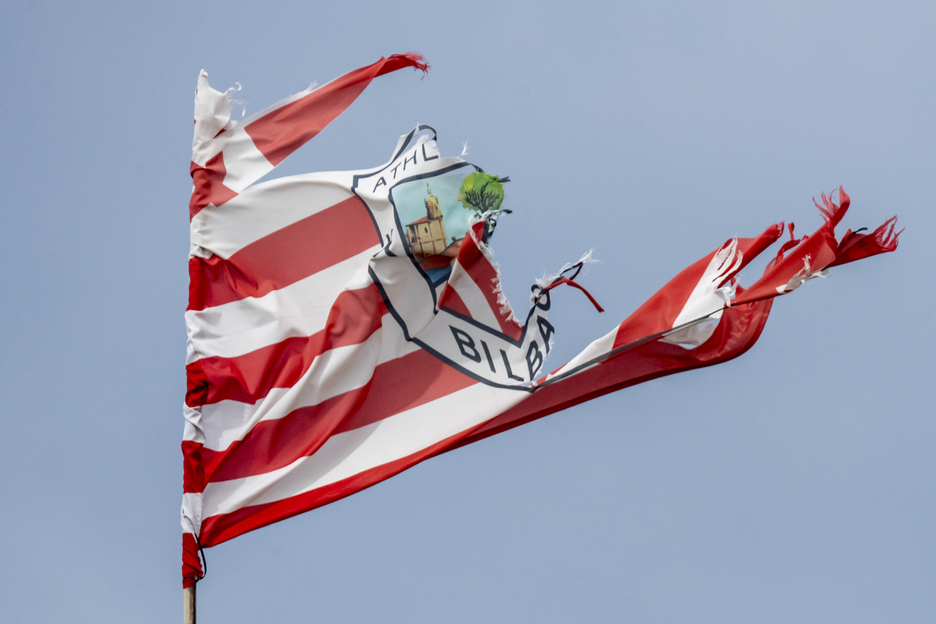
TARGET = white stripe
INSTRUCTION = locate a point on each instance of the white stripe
(597, 348)
(331, 374)
(265, 208)
(703, 308)
(191, 512)
(300, 309)
(193, 431)
(212, 114)
(350, 453)
(244, 164)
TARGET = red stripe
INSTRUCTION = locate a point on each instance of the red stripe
(222, 527)
(484, 276)
(451, 300)
(283, 257)
(753, 247)
(857, 246)
(396, 386)
(191, 563)
(273, 444)
(401, 61)
(658, 313)
(193, 473)
(282, 131)
(209, 185)
(355, 315)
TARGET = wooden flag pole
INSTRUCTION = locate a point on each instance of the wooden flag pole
(188, 605)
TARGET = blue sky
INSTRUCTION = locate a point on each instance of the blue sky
(797, 483)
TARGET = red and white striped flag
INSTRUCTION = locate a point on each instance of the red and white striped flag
(343, 327)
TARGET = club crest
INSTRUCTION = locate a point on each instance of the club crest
(435, 271)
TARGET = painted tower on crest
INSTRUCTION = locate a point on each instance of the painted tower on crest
(426, 236)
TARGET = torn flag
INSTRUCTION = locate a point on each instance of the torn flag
(345, 326)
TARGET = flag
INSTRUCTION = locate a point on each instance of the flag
(345, 326)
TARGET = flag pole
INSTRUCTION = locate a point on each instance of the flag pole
(188, 605)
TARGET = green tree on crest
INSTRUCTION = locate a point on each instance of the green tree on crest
(482, 192)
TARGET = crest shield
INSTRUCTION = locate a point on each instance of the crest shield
(435, 271)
